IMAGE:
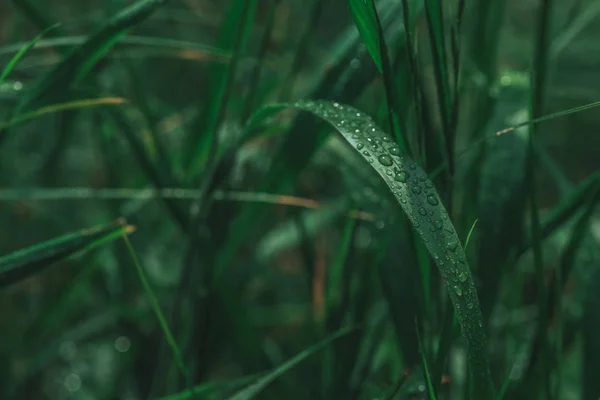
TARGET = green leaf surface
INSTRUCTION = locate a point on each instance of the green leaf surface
(419, 200)
(23, 263)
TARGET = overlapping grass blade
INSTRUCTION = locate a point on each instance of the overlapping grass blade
(23, 263)
(203, 143)
(253, 390)
(79, 61)
(340, 82)
(368, 23)
(149, 167)
(419, 200)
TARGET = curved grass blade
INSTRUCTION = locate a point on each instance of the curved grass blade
(253, 390)
(17, 57)
(70, 105)
(23, 263)
(81, 59)
(419, 200)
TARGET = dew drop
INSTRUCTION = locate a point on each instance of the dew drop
(431, 199)
(462, 276)
(469, 305)
(422, 211)
(401, 176)
(394, 150)
(458, 290)
(416, 189)
(385, 160)
(360, 146)
(452, 245)
(438, 224)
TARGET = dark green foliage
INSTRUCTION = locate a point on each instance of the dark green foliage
(435, 238)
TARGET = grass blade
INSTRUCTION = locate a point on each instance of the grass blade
(419, 200)
(539, 81)
(253, 390)
(23, 263)
(17, 57)
(368, 23)
(159, 314)
(55, 108)
(79, 61)
(426, 374)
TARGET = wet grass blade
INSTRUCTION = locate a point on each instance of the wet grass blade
(79, 61)
(253, 390)
(55, 108)
(419, 200)
(17, 57)
(23, 263)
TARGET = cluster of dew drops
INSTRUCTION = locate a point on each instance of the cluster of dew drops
(408, 182)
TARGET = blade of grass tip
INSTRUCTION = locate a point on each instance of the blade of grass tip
(21, 264)
(253, 390)
(33, 15)
(470, 233)
(79, 61)
(56, 108)
(17, 57)
(369, 26)
(539, 80)
(418, 198)
(159, 315)
(426, 375)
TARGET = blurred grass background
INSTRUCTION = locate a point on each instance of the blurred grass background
(259, 241)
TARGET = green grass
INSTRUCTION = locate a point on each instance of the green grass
(350, 200)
